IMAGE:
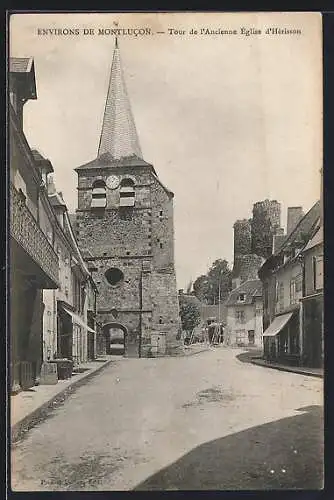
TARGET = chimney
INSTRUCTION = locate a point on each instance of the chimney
(294, 216)
(278, 240)
(51, 186)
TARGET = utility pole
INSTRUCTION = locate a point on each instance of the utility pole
(219, 297)
(140, 311)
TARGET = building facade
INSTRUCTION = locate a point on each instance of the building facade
(69, 326)
(244, 315)
(124, 226)
(283, 280)
(312, 312)
(49, 279)
(33, 261)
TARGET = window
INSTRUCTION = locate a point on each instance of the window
(251, 337)
(293, 298)
(265, 295)
(296, 284)
(318, 270)
(241, 337)
(114, 276)
(299, 283)
(281, 296)
(240, 316)
(294, 343)
(242, 297)
(127, 193)
(99, 195)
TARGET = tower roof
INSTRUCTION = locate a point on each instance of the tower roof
(118, 135)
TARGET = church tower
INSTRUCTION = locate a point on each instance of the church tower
(124, 226)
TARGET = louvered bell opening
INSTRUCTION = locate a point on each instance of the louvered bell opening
(127, 191)
(99, 191)
(99, 202)
(127, 201)
(127, 196)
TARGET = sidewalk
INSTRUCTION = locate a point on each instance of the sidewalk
(28, 407)
(303, 370)
(255, 357)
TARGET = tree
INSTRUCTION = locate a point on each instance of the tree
(220, 278)
(189, 313)
(215, 285)
(201, 287)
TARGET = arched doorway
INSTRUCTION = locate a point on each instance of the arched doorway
(115, 335)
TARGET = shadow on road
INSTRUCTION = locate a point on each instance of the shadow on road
(246, 357)
(287, 453)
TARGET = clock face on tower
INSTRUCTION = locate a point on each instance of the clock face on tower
(112, 182)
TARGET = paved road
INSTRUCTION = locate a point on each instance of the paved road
(207, 421)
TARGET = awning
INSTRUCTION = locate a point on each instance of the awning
(76, 319)
(277, 325)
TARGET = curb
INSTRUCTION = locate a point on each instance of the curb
(29, 421)
(287, 369)
(194, 353)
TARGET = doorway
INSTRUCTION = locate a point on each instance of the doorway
(115, 335)
(251, 337)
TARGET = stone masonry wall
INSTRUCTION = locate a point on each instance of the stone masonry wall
(266, 223)
(242, 237)
(246, 268)
(139, 242)
(165, 313)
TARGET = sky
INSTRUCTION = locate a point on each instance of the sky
(226, 119)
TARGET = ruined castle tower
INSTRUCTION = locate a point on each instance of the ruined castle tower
(242, 237)
(266, 223)
(245, 264)
(124, 225)
(255, 239)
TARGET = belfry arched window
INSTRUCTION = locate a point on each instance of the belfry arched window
(99, 195)
(127, 193)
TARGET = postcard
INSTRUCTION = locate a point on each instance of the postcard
(166, 246)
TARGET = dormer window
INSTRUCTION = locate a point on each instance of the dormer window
(241, 297)
(99, 195)
(127, 193)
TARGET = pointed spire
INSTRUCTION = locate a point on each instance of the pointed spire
(118, 135)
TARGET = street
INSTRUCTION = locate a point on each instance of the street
(207, 421)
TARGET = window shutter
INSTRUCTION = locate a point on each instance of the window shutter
(319, 270)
